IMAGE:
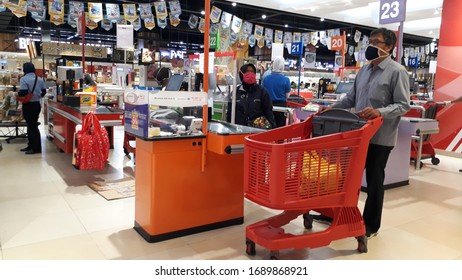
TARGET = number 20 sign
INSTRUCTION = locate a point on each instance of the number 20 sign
(392, 11)
(337, 43)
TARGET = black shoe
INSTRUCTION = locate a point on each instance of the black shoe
(26, 149)
(31, 152)
(322, 219)
(370, 235)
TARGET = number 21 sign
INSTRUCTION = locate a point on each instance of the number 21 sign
(392, 11)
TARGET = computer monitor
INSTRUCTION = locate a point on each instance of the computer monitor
(174, 83)
(343, 87)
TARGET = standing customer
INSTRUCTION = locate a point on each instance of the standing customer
(381, 88)
(278, 86)
(253, 103)
(30, 83)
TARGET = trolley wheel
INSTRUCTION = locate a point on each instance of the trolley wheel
(8, 141)
(274, 255)
(307, 221)
(362, 244)
(250, 247)
(435, 161)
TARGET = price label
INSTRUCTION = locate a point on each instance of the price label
(413, 62)
(392, 11)
(296, 48)
(337, 43)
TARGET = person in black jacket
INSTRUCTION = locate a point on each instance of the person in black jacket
(31, 109)
(252, 100)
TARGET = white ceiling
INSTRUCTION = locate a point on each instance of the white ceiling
(423, 17)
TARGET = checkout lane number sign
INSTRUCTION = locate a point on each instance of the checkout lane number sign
(392, 11)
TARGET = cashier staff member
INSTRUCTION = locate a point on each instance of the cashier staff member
(381, 89)
(31, 109)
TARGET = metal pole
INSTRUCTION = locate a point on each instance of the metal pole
(400, 43)
(300, 67)
(233, 109)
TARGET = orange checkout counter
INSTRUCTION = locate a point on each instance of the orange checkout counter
(62, 120)
(175, 197)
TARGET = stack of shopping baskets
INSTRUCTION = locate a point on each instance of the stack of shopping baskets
(314, 165)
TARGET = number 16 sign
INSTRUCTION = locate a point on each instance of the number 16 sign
(392, 11)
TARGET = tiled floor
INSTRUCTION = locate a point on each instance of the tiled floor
(48, 212)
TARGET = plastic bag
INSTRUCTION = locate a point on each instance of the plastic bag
(92, 144)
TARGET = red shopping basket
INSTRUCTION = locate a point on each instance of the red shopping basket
(287, 169)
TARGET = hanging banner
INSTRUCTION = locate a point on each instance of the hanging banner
(106, 24)
(351, 50)
(242, 39)
(269, 44)
(89, 23)
(37, 9)
(248, 28)
(56, 11)
(75, 11)
(21, 9)
(357, 36)
(314, 38)
(226, 19)
(233, 36)
(174, 20)
(252, 41)
(323, 37)
(161, 9)
(297, 37)
(406, 52)
(310, 60)
(96, 11)
(145, 10)
(193, 20)
(162, 22)
(269, 34)
(113, 12)
(258, 34)
(278, 36)
(224, 33)
(2, 6)
(214, 28)
(287, 37)
(411, 52)
(306, 38)
(136, 24)
(130, 12)
(215, 14)
(150, 23)
(427, 49)
(237, 24)
(365, 41)
(124, 36)
(175, 8)
(338, 62)
(201, 25)
(331, 33)
(261, 42)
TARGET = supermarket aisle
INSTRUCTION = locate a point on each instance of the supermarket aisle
(48, 212)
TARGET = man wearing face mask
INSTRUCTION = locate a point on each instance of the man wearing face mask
(253, 102)
(381, 88)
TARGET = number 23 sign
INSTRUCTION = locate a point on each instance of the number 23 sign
(392, 11)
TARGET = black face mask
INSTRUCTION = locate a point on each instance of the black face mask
(372, 52)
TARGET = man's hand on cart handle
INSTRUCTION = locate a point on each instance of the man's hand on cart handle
(369, 113)
(324, 108)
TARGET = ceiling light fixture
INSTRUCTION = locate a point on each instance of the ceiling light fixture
(234, 4)
(263, 16)
(286, 25)
(321, 19)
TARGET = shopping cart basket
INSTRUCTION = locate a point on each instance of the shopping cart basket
(297, 169)
(426, 110)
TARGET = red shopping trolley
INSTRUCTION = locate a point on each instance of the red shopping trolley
(299, 168)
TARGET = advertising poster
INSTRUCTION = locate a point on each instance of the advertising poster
(75, 10)
(130, 12)
(56, 11)
(95, 11)
(288, 37)
(106, 24)
(258, 31)
(357, 36)
(252, 41)
(306, 38)
(261, 42)
(124, 36)
(145, 10)
(112, 12)
(314, 38)
(201, 25)
(21, 9)
(269, 33)
(297, 37)
(162, 22)
(37, 9)
(136, 24)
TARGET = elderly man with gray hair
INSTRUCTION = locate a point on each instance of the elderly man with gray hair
(278, 86)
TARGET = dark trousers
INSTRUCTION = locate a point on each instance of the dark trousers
(31, 112)
(376, 161)
(280, 117)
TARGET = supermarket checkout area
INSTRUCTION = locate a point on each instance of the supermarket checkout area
(61, 121)
(189, 181)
